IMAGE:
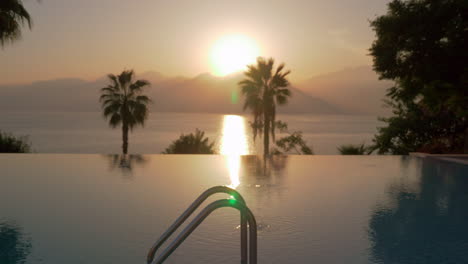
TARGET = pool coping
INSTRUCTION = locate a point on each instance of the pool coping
(456, 158)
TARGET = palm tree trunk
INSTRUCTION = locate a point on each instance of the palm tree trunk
(266, 135)
(125, 139)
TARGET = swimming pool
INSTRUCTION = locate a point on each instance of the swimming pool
(310, 209)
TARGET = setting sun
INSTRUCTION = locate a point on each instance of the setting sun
(233, 53)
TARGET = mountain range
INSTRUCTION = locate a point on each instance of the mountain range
(357, 90)
(346, 92)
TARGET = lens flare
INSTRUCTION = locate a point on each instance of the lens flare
(233, 144)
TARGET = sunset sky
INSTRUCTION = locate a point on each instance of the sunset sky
(88, 38)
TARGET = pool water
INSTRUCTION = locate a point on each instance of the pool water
(310, 209)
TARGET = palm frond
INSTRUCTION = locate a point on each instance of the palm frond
(138, 85)
(143, 99)
(13, 15)
(115, 120)
(115, 83)
(111, 108)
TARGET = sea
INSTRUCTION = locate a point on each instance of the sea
(89, 132)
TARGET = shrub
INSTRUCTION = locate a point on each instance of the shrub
(12, 144)
(191, 144)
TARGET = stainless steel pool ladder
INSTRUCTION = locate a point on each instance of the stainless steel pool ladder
(238, 203)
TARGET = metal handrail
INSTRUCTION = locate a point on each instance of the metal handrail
(202, 215)
(179, 221)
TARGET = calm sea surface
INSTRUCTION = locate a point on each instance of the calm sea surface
(87, 132)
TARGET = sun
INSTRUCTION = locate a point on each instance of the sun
(233, 53)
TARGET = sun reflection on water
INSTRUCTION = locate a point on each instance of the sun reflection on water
(233, 144)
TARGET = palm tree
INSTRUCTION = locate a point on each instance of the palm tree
(263, 88)
(124, 104)
(13, 15)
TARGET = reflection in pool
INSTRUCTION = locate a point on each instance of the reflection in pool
(125, 163)
(309, 209)
(15, 246)
(233, 145)
(424, 220)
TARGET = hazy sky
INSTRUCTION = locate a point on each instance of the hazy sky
(90, 38)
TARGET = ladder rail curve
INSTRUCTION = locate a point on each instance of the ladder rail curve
(204, 214)
(186, 214)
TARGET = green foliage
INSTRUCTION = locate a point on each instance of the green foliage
(191, 144)
(11, 144)
(263, 89)
(13, 16)
(124, 103)
(350, 149)
(421, 45)
(416, 129)
(292, 142)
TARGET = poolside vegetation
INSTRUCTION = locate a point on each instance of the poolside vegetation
(10, 143)
(351, 149)
(292, 143)
(193, 143)
(422, 45)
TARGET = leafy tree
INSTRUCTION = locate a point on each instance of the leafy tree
(11, 144)
(13, 16)
(263, 88)
(191, 144)
(292, 142)
(421, 45)
(124, 103)
(350, 149)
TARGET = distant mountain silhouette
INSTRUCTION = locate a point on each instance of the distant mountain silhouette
(208, 93)
(203, 93)
(355, 89)
(52, 95)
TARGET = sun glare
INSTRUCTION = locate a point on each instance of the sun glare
(233, 144)
(233, 53)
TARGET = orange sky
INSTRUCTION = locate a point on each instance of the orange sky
(88, 38)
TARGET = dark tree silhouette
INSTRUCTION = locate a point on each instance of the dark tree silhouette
(263, 88)
(12, 144)
(421, 45)
(13, 16)
(424, 222)
(14, 246)
(191, 144)
(350, 149)
(292, 142)
(124, 103)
